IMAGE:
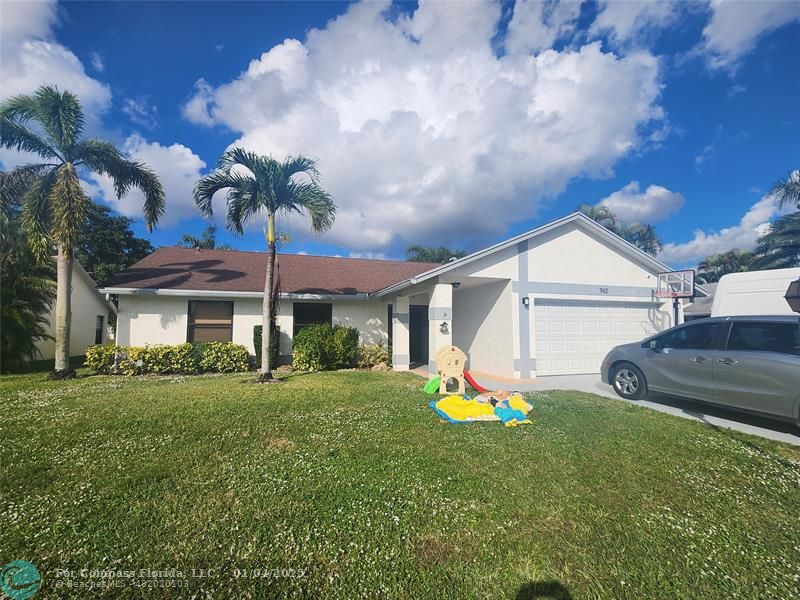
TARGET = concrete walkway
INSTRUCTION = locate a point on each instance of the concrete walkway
(710, 414)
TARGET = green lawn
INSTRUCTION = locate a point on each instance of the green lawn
(351, 480)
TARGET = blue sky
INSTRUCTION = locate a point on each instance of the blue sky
(441, 123)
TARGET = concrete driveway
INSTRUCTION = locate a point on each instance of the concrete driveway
(707, 413)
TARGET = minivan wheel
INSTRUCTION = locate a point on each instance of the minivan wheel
(628, 382)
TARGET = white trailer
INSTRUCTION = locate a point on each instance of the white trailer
(754, 293)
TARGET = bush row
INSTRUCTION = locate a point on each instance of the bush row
(162, 359)
(370, 355)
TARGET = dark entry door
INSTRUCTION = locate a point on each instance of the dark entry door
(418, 334)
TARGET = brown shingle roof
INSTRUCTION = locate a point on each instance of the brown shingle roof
(236, 271)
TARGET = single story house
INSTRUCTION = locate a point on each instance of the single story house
(550, 301)
(90, 314)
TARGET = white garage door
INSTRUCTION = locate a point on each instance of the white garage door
(574, 337)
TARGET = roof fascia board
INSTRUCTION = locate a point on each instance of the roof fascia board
(578, 217)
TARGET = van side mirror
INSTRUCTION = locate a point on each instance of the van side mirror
(654, 346)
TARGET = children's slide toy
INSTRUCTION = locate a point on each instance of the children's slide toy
(432, 386)
(475, 385)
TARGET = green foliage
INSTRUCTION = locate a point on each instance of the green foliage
(642, 235)
(163, 359)
(431, 254)
(779, 248)
(26, 295)
(206, 241)
(787, 189)
(713, 267)
(324, 348)
(274, 345)
(370, 355)
(106, 244)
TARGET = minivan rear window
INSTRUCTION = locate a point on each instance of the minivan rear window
(765, 337)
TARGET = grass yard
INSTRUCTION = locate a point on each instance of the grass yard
(352, 482)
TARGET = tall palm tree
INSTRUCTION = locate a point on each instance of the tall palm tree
(641, 235)
(779, 248)
(258, 185)
(54, 205)
(787, 190)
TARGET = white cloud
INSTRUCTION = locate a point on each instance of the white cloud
(177, 167)
(140, 111)
(535, 24)
(422, 132)
(97, 62)
(707, 154)
(625, 22)
(735, 27)
(743, 236)
(31, 58)
(652, 205)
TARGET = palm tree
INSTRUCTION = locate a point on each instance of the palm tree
(641, 235)
(255, 185)
(431, 254)
(54, 205)
(600, 213)
(206, 241)
(713, 267)
(779, 248)
(787, 190)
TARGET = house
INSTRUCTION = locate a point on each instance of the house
(550, 301)
(90, 314)
(700, 307)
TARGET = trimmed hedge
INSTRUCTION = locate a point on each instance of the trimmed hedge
(370, 355)
(325, 348)
(162, 359)
(274, 344)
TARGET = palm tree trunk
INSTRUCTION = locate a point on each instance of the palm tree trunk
(63, 312)
(269, 286)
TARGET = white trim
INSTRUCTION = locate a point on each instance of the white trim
(226, 294)
(92, 284)
(576, 217)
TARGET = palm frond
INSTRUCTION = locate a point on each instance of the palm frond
(14, 184)
(37, 216)
(294, 165)
(104, 158)
(60, 114)
(69, 206)
(779, 248)
(243, 205)
(787, 190)
(210, 184)
(20, 108)
(18, 137)
(239, 156)
(309, 197)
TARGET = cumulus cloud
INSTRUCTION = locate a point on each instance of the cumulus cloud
(535, 25)
(735, 27)
(177, 167)
(652, 205)
(626, 22)
(423, 132)
(743, 236)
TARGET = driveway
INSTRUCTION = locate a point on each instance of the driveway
(709, 414)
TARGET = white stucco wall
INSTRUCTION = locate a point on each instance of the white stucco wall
(154, 319)
(86, 307)
(482, 327)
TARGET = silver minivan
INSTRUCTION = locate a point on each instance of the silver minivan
(746, 363)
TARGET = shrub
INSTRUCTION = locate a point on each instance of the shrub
(163, 359)
(223, 357)
(324, 348)
(274, 345)
(100, 358)
(370, 355)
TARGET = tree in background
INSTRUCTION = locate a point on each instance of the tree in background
(641, 235)
(431, 254)
(106, 244)
(779, 248)
(256, 185)
(206, 241)
(713, 267)
(787, 190)
(28, 288)
(54, 205)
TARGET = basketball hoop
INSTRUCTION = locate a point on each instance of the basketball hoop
(675, 285)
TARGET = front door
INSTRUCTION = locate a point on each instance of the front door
(418, 334)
